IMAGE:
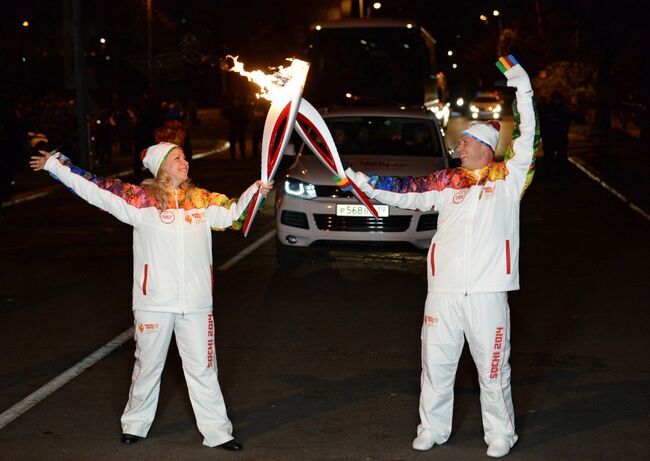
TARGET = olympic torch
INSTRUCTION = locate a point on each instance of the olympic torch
(290, 111)
(284, 89)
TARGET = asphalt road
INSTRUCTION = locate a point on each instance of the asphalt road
(323, 363)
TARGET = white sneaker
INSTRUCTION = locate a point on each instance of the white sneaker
(423, 442)
(498, 449)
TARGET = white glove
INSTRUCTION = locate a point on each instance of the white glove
(357, 177)
(516, 75)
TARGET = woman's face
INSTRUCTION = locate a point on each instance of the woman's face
(177, 167)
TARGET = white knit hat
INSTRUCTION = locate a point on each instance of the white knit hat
(486, 133)
(153, 157)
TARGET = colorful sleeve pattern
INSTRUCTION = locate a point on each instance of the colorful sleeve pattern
(201, 198)
(132, 194)
(455, 178)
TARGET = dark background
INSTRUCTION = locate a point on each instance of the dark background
(601, 44)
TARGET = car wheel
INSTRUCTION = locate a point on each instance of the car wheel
(289, 259)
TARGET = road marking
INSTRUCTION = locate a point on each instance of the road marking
(32, 399)
(71, 373)
(582, 166)
(38, 193)
(246, 251)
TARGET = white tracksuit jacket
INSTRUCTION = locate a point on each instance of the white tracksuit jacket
(172, 250)
(476, 247)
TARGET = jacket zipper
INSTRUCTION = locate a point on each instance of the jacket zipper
(468, 228)
(179, 233)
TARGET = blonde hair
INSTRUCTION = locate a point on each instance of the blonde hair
(158, 188)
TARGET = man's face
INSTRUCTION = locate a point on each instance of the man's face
(473, 154)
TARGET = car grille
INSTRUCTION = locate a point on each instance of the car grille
(294, 219)
(360, 224)
(428, 222)
(332, 191)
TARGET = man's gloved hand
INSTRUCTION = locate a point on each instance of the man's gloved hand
(344, 183)
(516, 75)
(350, 175)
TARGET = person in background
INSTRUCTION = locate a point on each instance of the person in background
(147, 118)
(237, 114)
(555, 119)
(173, 278)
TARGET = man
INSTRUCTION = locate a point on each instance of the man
(472, 264)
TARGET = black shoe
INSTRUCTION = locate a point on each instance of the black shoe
(232, 445)
(129, 438)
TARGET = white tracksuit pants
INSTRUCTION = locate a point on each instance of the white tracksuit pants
(484, 319)
(195, 341)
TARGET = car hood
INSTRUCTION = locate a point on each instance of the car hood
(485, 105)
(309, 169)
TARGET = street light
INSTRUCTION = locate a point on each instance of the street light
(495, 13)
(376, 5)
(450, 53)
(483, 17)
(102, 40)
(25, 23)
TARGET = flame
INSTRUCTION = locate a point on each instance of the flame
(271, 84)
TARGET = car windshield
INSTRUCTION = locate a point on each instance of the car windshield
(395, 136)
(373, 65)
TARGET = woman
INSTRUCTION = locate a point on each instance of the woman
(172, 278)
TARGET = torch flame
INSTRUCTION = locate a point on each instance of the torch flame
(271, 84)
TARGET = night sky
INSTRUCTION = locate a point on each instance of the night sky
(189, 38)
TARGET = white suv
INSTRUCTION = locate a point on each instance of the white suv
(311, 211)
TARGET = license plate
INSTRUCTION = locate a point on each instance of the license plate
(360, 210)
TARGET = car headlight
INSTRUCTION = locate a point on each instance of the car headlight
(460, 102)
(473, 108)
(299, 189)
(497, 108)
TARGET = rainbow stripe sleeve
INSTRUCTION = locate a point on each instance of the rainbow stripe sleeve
(505, 63)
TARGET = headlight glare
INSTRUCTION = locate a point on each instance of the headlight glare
(299, 189)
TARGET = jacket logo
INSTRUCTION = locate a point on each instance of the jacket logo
(488, 190)
(141, 328)
(197, 218)
(459, 196)
(167, 217)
